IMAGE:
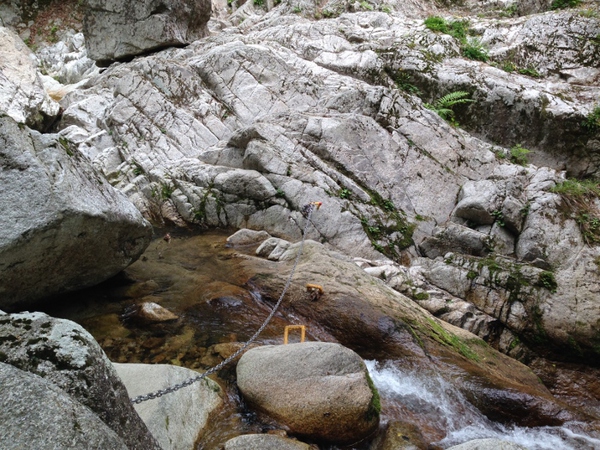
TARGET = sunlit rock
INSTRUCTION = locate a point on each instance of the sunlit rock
(319, 390)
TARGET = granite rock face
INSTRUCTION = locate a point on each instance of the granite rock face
(317, 389)
(118, 29)
(34, 413)
(68, 357)
(22, 94)
(64, 227)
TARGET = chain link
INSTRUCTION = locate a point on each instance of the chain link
(189, 381)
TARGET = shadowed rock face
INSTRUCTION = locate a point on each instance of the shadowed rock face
(117, 30)
(63, 226)
(37, 414)
(66, 355)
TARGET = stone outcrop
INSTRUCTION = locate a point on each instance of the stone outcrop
(34, 413)
(67, 356)
(318, 390)
(117, 30)
(177, 419)
(64, 227)
(22, 94)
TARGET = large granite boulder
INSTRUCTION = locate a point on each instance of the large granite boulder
(34, 413)
(22, 95)
(177, 419)
(64, 227)
(117, 30)
(318, 390)
(67, 356)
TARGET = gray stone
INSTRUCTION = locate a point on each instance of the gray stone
(34, 413)
(456, 238)
(64, 227)
(317, 389)
(247, 237)
(66, 355)
(117, 29)
(176, 420)
(22, 95)
(487, 444)
(264, 442)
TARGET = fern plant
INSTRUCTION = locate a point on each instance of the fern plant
(443, 106)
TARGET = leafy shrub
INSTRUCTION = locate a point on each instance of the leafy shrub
(592, 121)
(580, 198)
(518, 155)
(475, 50)
(562, 4)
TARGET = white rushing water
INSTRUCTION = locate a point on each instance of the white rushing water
(432, 397)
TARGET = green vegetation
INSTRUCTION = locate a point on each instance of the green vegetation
(473, 49)
(259, 2)
(547, 281)
(344, 193)
(580, 198)
(530, 71)
(166, 190)
(366, 5)
(562, 4)
(404, 82)
(375, 406)
(592, 121)
(499, 217)
(518, 155)
(443, 106)
(451, 340)
(279, 193)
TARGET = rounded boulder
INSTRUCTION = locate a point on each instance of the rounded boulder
(321, 391)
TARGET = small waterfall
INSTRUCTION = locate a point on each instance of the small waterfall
(441, 406)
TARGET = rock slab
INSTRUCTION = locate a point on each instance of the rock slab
(67, 356)
(63, 226)
(318, 390)
(119, 29)
(34, 413)
(176, 419)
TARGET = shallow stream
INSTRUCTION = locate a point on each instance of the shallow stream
(196, 277)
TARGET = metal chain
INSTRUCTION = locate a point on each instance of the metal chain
(189, 381)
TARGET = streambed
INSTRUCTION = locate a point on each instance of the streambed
(195, 276)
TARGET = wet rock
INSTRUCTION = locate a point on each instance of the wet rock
(119, 30)
(264, 442)
(35, 413)
(247, 237)
(22, 95)
(65, 228)
(176, 419)
(399, 436)
(66, 355)
(488, 444)
(318, 390)
(148, 313)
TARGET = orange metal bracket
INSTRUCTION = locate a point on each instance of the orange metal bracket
(302, 329)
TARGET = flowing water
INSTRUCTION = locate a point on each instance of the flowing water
(433, 402)
(196, 277)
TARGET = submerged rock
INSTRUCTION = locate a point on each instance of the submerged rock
(34, 413)
(64, 354)
(488, 444)
(264, 442)
(318, 390)
(64, 227)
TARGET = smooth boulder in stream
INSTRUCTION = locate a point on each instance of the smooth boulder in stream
(319, 390)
